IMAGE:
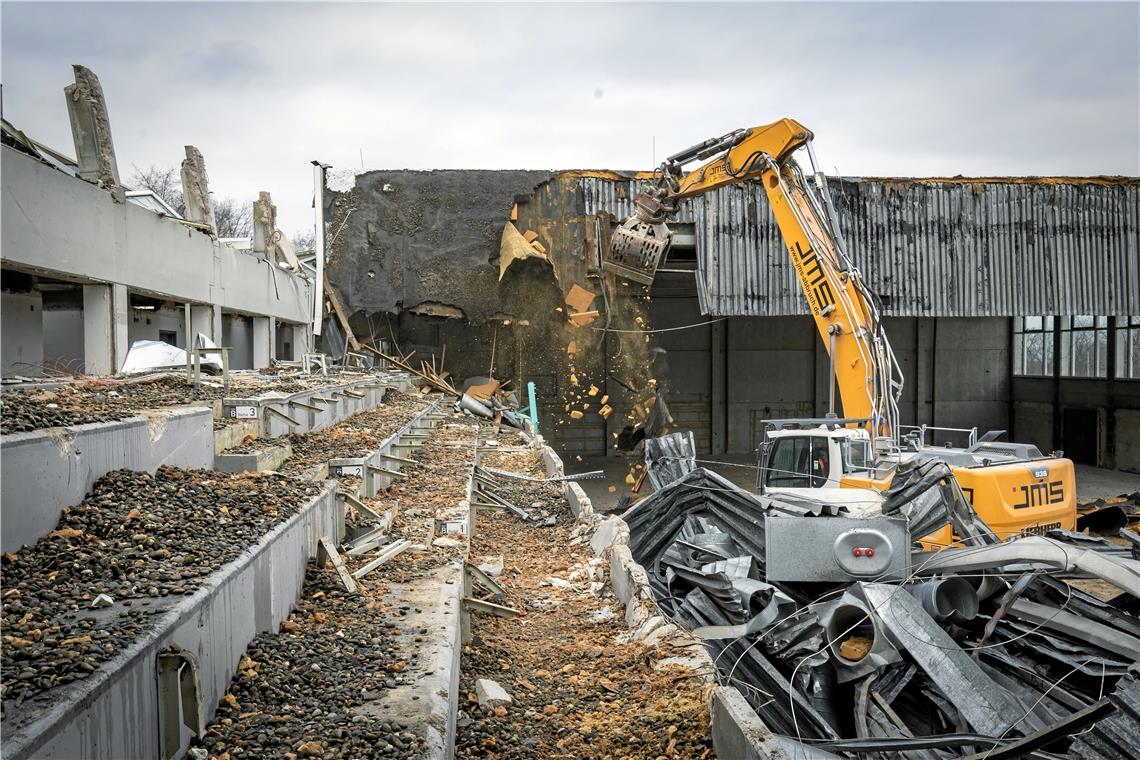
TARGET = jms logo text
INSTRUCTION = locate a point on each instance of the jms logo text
(1041, 494)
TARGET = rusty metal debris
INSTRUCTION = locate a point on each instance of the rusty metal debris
(986, 648)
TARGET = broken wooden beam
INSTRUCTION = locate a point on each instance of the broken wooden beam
(384, 556)
(326, 551)
(479, 605)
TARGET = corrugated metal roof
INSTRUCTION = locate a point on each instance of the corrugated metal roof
(951, 247)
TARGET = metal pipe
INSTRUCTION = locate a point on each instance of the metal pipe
(947, 599)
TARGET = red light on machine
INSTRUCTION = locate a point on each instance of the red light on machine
(863, 551)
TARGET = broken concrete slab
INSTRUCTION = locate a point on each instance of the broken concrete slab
(196, 189)
(491, 694)
(613, 531)
(91, 132)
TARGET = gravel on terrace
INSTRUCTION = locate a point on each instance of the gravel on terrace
(136, 538)
(303, 692)
(354, 437)
(578, 689)
(109, 399)
(295, 691)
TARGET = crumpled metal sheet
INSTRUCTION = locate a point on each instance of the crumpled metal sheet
(670, 457)
(1118, 735)
(988, 707)
(994, 682)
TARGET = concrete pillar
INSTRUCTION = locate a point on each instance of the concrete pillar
(924, 371)
(263, 342)
(91, 132)
(105, 314)
(718, 406)
(202, 321)
(196, 189)
(216, 325)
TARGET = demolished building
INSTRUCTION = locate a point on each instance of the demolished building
(1032, 282)
(89, 268)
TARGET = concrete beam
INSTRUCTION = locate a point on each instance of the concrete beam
(737, 730)
(105, 340)
(196, 189)
(91, 132)
(59, 227)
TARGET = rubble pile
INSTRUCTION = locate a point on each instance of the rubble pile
(564, 678)
(355, 437)
(110, 399)
(420, 502)
(846, 637)
(84, 591)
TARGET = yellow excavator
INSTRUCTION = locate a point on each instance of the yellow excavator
(1013, 487)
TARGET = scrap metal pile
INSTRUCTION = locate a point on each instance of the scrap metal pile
(849, 640)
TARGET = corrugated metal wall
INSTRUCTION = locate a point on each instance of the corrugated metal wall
(928, 248)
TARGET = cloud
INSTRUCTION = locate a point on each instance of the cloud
(889, 89)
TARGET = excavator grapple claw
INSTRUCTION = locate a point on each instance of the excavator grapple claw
(637, 248)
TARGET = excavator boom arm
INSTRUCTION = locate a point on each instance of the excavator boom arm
(845, 312)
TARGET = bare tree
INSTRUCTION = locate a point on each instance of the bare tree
(165, 182)
(303, 241)
(233, 217)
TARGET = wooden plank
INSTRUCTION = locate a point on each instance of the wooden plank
(389, 553)
(361, 505)
(340, 316)
(494, 609)
(326, 548)
(486, 581)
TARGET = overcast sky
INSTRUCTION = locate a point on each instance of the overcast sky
(889, 89)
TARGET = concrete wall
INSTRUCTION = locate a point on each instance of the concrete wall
(63, 337)
(771, 373)
(688, 354)
(21, 340)
(971, 377)
(145, 324)
(1040, 410)
(55, 224)
(44, 471)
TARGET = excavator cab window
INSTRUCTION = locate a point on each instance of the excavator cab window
(857, 456)
(798, 462)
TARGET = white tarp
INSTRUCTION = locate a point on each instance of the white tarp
(151, 355)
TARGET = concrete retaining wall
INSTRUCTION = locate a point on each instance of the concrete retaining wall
(46, 470)
(115, 712)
